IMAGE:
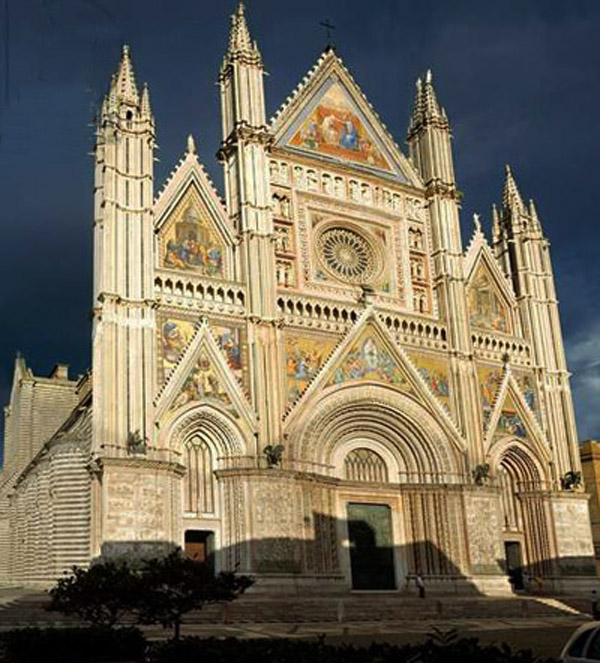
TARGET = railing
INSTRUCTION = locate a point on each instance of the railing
(202, 294)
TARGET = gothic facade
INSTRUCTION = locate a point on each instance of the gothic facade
(310, 380)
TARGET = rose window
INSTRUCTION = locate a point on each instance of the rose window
(347, 255)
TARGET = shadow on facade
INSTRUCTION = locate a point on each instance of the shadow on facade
(335, 555)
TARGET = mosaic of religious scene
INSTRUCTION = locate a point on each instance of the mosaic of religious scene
(334, 128)
(490, 380)
(526, 384)
(435, 374)
(486, 309)
(202, 383)
(304, 356)
(510, 423)
(176, 335)
(191, 244)
(367, 360)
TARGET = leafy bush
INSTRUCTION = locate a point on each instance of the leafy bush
(101, 595)
(435, 650)
(153, 591)
(73, 645)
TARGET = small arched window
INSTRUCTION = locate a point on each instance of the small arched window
(365, 465)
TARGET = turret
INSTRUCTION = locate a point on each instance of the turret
(124, 321)
(246, 141)
(430, 150)
(524, 253)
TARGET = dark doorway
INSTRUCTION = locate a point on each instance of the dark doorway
(371, 546)
(514, 564)
(199, 545)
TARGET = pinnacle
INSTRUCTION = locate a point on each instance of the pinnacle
(124, 84)
(191, 144)
(511, 196)
(240, 41)
(145, 107)
(426, 106)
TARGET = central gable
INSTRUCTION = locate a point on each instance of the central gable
(334, 127)
(329, 118)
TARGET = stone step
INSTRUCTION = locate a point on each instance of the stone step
(30, 609)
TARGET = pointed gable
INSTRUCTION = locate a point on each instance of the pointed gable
(511, 415)
(202, 375)
(329, 118)
(194, 232)
(491, 303)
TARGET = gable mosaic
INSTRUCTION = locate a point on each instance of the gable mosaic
(490, 379)
(510, 422)
(190, 242)
(486, 308)
(335, 127)
(176, 333)
(369, 360)
(203, 383)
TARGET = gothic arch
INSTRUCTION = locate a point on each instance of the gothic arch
(527, 463)
(204, 423)
(415, 446)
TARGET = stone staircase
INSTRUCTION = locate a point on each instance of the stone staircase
(29, 609)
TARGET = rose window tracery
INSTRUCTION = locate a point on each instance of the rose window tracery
(347, 255)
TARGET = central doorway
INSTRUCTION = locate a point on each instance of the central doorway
(371, 546)
(199, 545)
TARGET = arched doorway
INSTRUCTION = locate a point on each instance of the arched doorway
(521, 477)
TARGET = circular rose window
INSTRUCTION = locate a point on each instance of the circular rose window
(347, 255)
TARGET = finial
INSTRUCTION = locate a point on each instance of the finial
(191, 143)
(477, 222)
(428, 76)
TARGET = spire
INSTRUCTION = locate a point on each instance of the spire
(511, 196)
(427, 107)
(124, 81)
(240, 42)
(145, 107)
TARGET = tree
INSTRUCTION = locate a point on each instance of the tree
(175, 585)
(102, 594)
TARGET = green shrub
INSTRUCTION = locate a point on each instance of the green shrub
(437, 649)
(73, 645)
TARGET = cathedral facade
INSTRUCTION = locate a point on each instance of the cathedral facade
(310, 380)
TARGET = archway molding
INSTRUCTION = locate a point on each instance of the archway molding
(402, 431)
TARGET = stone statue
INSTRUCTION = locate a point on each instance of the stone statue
(273, 455)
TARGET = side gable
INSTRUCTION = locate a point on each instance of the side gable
(512, 417)
(328, 117)
(194, 233)
(491, 301)
(202, 375)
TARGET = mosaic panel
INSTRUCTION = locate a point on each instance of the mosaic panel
(369, 360)
(176, 334)
(490, 379)
(334, 127)
(486, 308)
(435, 373)
(203, 383)
(527, 386)
(304, 357)
(510, 422)
(190, 242)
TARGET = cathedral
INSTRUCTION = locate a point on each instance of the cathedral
(310, 379)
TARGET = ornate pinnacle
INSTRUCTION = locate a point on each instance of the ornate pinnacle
(511, 196)
(240, 41)
(124, 82)
(426, 106)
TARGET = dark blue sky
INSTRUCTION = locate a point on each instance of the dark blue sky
(519, 79)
